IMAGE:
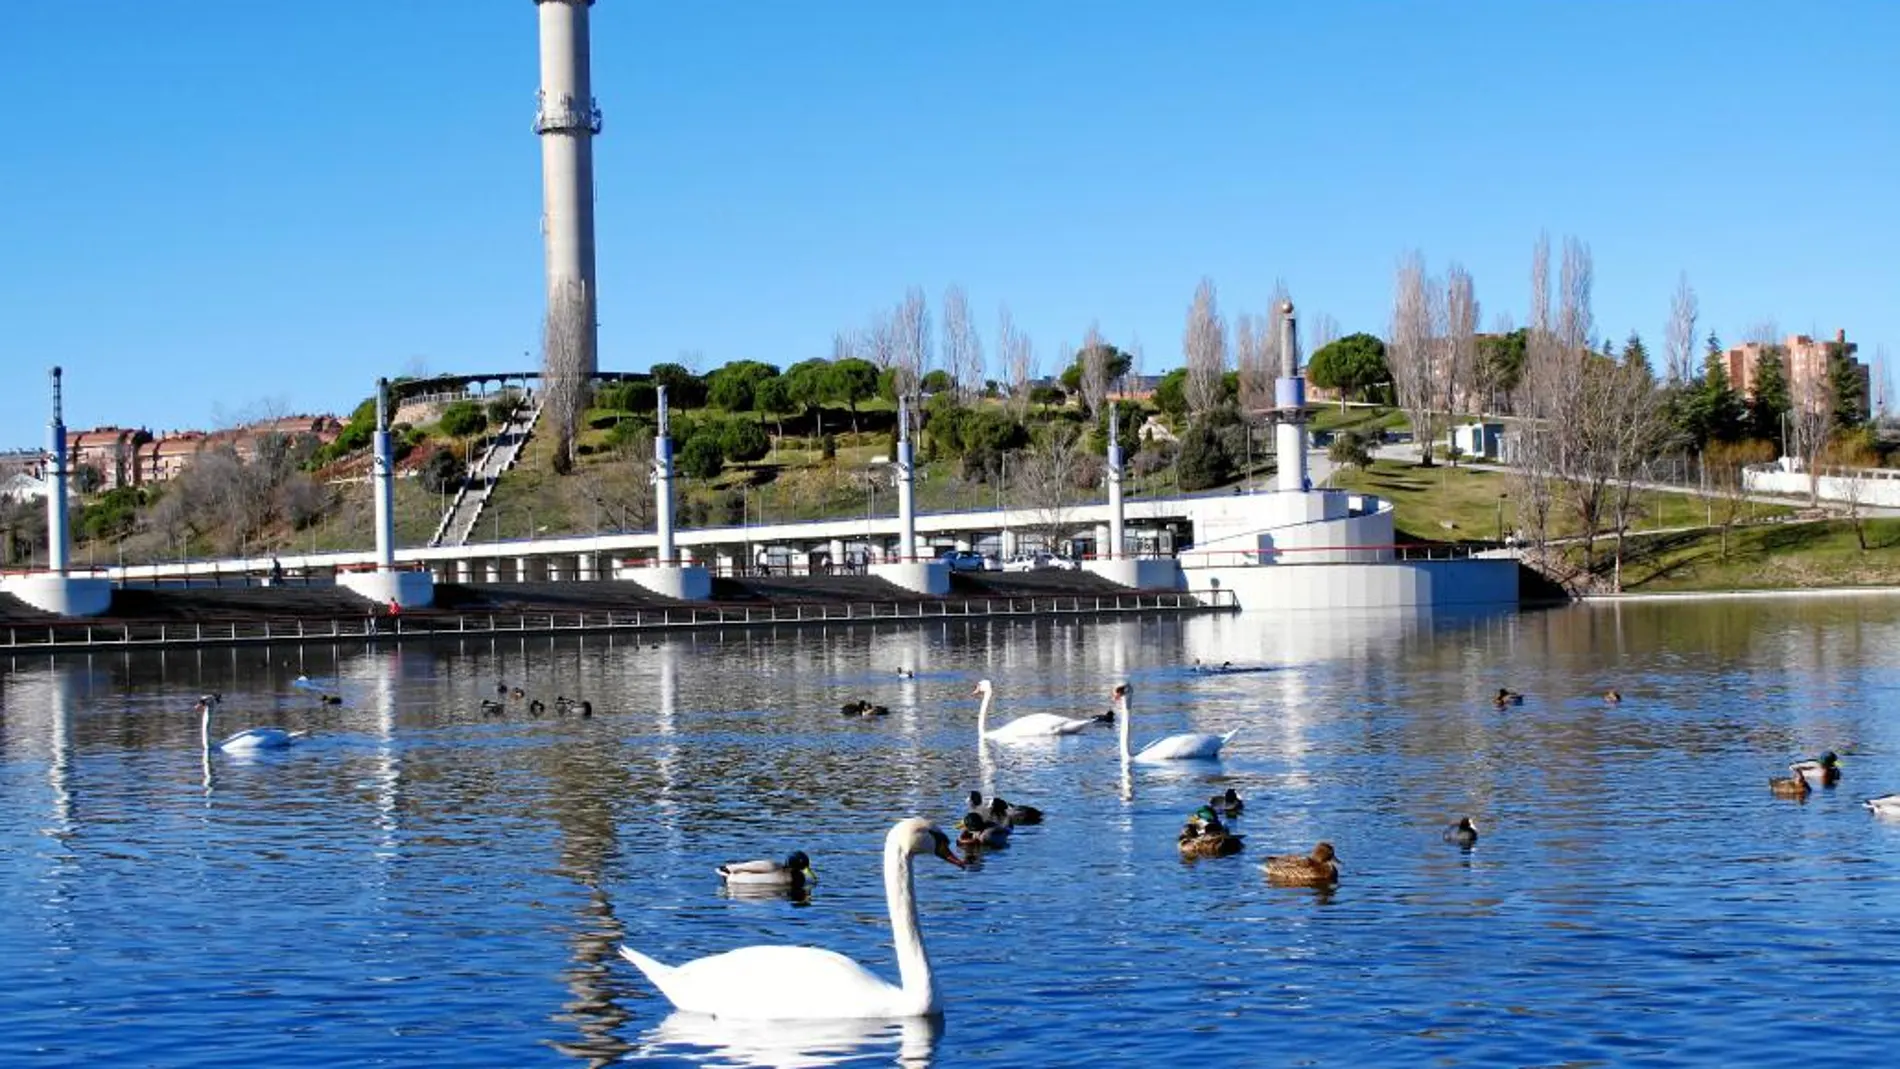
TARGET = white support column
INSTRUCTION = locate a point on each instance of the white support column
(58, 533)
(663, 489)
(1113, 549)
(1289, 402)
(906, 502)
(382, 477)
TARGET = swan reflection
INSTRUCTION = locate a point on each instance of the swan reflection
(722, 1041)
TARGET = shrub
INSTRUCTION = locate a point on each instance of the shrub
(1205, 461)
(704, 455)
(463, 419)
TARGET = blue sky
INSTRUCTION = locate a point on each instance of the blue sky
(212, 205)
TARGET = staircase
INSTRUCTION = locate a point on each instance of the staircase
(458, 523)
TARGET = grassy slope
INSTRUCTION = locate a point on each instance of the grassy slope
(1765, 557)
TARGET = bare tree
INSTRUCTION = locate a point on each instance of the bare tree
(620, 494)
(1810, 420)
(1410, 350)
(1013, 348)
(1848, 457)
(1540, 285)
(1051, 474)
(1460, 348)
(1641, 431)
(1763, 332)
(1204, 344)
(1094, 379)
(1883, 384)
(911, 337)
(877, 342)
(962, 347)
(1727, 464)
(1324, 332)
(566, 344)
(1250, 361)
(1679, 341)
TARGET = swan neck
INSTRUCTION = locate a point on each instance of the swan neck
(983, 712)
(204, 728)
(1122, 727)
(913, 963)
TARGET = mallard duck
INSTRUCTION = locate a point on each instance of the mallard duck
(1612, 696)
(330, 699)
(1795, 786)
(1887, 805)
(1208, 839)
(1824, 772)
(491, 707)
(794, 873)
(536, 708)
(1464, 833)
(561, 705)
(585, 708)
(501, 688)
(517, 694)
(1507, 697)
(1227, 803)
(1317, 869)
(1001, 812)
(975, 830)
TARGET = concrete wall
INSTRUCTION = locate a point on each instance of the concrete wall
(67, 595)
(1394, 585)
(1877, 486)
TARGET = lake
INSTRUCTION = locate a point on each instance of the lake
(421, 882)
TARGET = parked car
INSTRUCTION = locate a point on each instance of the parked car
(963, 560)
(1039, 561)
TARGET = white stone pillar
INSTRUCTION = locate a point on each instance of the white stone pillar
(58, 533)
(1289, 402)
(906, 506)
(1113, 549)
(382, 476)
(663, 490)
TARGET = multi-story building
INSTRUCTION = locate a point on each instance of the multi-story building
(1804, 364)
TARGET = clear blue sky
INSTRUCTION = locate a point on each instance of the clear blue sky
(207, 205)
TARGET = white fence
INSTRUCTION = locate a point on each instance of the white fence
(1879, 487)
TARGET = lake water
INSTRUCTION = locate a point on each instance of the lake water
(419, 883)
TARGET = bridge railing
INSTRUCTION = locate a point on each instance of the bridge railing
(1396, 551)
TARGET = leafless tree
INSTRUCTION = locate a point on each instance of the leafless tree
(1848, 456)
(1679, 341)
(911, 335)
(1883, 384)
(1250, 361)
(1018, 355)
(1540, 285)
(1411, 349)
(1459, 363)
(1810, 420)
(566, 342)
(1763, 332)
(1049, 474)
(1641, 431)
(962, 346)
(878, 341)
(843, 346)
(1094, 378)
(1204, 344)
(1323, 332)
(619, 493)
(1727, 464)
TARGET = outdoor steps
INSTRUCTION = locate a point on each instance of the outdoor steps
(811, 590)
(235, 603)
(15, 611)
(1051, 582)
(466, 513)
(602, 595)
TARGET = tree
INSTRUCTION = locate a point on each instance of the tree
(1018, 355)
(463, 419)
(1500, 364)
(1708, 409)
(87, 478)
(733, 386)
(1458, 356)
(684, 390)
(567, 355)
(1768, 401)
(1171, 393)
(962, 345)
(1351, 449)
(1410, 353)
(1046, 474)
(1639, 431)
(910, 338)
(1349, 365)
(938, 381)
(742, 441)
(1679, 340)
(853, 381)
(1206, 459)
(1204, 344)
(1727, 464)
(1848, 455)
(500, 410)
(1849, 389)
(441, 472)
(704, 455)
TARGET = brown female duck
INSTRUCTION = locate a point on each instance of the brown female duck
(1318, 869)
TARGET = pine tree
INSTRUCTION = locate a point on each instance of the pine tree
(1768, 399)
(1850, 393)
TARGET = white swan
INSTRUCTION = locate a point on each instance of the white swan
(1030, 726)
(1187, 746)
(807, 983)
(246, 741)
(1887, 805)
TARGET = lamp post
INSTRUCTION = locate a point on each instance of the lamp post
(1501, 498)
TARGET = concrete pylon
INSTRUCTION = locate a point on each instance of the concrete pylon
(906, 487)
(1289, 404)
(671, 575)
(55, 589)
(413, 589)
(906, 570)
(1115, 529)
(58, 535)
(567, 120)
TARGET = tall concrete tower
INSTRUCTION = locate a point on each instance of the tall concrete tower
(567, 120)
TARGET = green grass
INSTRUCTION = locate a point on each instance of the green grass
(1443, 503)
(1822, 553)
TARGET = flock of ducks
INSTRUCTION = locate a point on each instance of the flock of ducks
(563, 705)
(1825, 772)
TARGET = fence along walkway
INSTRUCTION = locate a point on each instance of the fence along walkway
(136, 634)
